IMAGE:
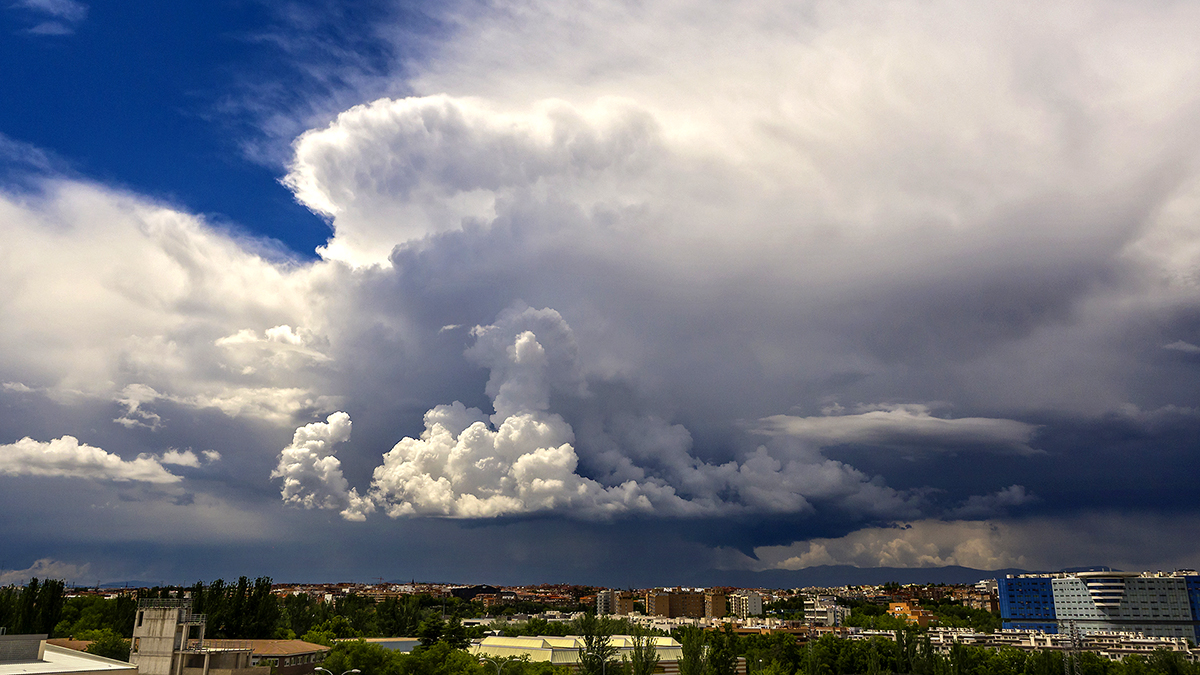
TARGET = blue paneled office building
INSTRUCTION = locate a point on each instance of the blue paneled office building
(1027, 603)
(1161, 604)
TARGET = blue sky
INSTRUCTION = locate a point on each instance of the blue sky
(599, 292)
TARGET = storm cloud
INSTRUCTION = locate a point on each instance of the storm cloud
(845, 284)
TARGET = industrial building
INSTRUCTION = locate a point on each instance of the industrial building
(1160, 604)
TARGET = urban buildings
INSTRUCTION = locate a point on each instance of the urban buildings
(614, 602)
(675, 603)
(715, 604)
(745, 604)
(823, 610)
(910, 613)
(565, 651)
(1161, 604)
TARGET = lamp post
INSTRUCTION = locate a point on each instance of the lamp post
(329, 672)
(499, 664)
(603, 664)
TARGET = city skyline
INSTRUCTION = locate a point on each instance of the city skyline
(671, 290)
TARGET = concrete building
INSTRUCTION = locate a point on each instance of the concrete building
(169, 640)
(823, 610)
(675, 603)
(745, 604)
(30, 655)
(614, 602)
(715, 605)
(1160, 604)
(285, 657)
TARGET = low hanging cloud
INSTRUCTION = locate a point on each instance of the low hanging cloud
(993, 505)
(46, 568)
(905, 426)
(525, 461)
(66, 457)
(982, 545)
(1123, 539)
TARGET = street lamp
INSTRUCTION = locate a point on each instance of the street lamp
(603, 664)
(329, 672)
(499, 664)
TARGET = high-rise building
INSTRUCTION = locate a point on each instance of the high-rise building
(614, 602)
(714, 605)
(745, 604)
(1152, 603)
(823, 610)
(675, 603)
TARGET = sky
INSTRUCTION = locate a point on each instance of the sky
(611, 293)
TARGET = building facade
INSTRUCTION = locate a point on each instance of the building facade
(823, 610)
(675, 603)
(715, 605)
(614, 602)
(745, 604)
(1151, 603)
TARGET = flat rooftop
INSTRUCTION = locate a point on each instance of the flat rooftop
(62, 660)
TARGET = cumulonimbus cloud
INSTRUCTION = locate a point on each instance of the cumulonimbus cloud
(525, 460)
(68, 458)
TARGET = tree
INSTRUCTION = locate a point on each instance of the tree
(431, 630)
(106, 643)
(693, 660)
(598, 649)
(722, 653)
(643, 657)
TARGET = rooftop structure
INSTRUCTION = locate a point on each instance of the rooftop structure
(565, 651)
(30, 655)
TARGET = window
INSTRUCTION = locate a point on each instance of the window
(140, 619)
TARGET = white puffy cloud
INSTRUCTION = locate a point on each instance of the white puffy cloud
(908, 426)
(527, 464)
(312, 475)
(180, 458)
(67, 457)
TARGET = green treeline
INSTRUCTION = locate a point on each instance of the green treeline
(245, 609)
(33, 609)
